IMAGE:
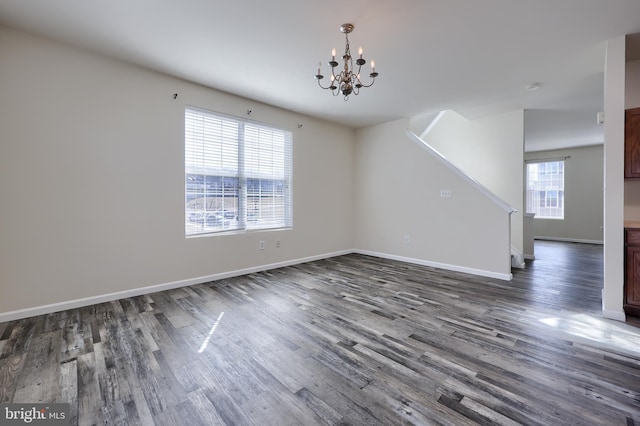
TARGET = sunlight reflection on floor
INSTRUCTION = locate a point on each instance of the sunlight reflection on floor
(213, 329)
(598, 331)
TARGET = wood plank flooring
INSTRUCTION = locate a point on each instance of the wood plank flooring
(352, 340)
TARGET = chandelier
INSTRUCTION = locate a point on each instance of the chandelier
(348, 80)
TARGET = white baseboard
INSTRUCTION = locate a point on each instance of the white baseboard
(72, 304)
(614, 315)
(78, 303)
(569, 240)
(530, 257)
(456, 268)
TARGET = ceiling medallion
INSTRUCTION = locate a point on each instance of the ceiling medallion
(347, 81)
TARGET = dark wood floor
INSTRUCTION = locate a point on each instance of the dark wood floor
(348, 340)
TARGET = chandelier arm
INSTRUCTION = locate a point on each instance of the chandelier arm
(337, 79)
(356, 89)
(321, 86)
(332, 87)
(357, 79)
(373, 80)
(335, 83)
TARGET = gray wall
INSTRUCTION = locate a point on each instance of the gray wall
(92, 181)
(583, 210)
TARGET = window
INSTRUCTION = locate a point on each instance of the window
(237, 174)
(545, 189)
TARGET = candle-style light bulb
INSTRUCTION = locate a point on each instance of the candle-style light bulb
(319, 66)
(333, 54)
(360, 52)
(373, 66)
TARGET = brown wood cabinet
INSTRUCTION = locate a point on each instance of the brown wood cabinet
(632, 144)
(632, 272)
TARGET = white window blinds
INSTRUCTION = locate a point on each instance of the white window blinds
(237, 174)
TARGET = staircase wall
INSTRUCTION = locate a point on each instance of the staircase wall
(401, 214)
(490, 149)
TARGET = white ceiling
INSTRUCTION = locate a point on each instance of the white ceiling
(471, 56)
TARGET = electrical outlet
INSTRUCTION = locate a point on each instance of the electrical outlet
(445, 193)
(261, 245)
(277, 243)
(406, 239)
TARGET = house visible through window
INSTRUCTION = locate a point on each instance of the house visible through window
(545, 189)
(237, 174)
